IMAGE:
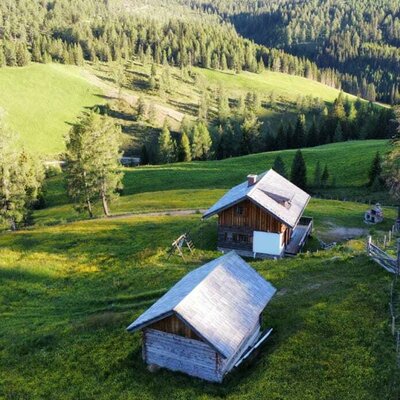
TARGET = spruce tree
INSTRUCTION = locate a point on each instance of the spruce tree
(338, 136)
(144, 156)
(298, 175)
(92, 162)
(20, 180)
(279, 166)
(325, 177)
(375, 171)
(201, 142)
(184, 151)
(142, 109)
(317, 175)
(165, 146)
(299, 136)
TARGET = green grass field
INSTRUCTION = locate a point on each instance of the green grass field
(197, 185)
(68, 292)
(286, 87)
(40, 101)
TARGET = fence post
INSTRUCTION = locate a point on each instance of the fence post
(369, 244)
(398, 256)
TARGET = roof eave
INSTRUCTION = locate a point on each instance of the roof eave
(132, 328)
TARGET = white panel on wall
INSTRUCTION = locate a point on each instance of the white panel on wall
(267, 243)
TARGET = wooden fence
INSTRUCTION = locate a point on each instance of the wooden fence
(386, 261)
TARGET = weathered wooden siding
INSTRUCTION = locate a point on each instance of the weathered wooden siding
(177, 353)
(174, 325)
(252, 218)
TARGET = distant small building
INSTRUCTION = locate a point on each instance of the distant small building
(209, 321)
(374, 215)
(130, 161)
(262, 217)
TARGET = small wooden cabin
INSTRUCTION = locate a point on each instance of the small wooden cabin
(374, 215)
(262, 217)
(208, 321)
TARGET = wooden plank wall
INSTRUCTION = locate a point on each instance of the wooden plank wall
(254, 218)
(181, 354)
(174, 325)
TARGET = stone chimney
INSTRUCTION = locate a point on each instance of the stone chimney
(251, 180)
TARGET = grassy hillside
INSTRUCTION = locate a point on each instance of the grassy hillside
(197, 185)
(40, 101)
(286, 87)
(68, 293)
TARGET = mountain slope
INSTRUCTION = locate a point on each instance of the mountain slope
(41, 100)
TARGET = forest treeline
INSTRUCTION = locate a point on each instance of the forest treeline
(229, 128)
(358, 38)
(71, 31)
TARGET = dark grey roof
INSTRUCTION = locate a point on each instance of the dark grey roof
(272, 192)
(221, 301)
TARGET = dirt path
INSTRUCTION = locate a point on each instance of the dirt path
(113, 93)
(170, 213)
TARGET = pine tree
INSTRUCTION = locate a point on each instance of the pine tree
(165, 146)
(325, 177)
(201, 143)
(20, 180)
(251, 133)
(338, 136)
(298, 175)
(203, 107)
(223, 106)
(375, 171)
(22, 55)
(92, 162)
(279, 166)
(313, 136)
(317, 175)
(141, 109)
(299, 136)
(184, 151)
(144, 156)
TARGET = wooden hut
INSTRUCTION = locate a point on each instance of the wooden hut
(208, 321)
(262, 217)
(374, 215)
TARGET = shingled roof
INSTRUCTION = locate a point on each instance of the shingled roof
(221, 301)
(271, 191)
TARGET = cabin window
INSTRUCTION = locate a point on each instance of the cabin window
(239, 238)
(239, 210)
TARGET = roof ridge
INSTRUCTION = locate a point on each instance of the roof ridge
(223, 257)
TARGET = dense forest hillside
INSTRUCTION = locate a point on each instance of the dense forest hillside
(70, 32)
(358, 38)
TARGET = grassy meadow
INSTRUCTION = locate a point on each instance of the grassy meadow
(197, 185)
(69, 291)
(41, 100)
(69, 286)
(286, 87)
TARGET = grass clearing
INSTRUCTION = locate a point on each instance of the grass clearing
(68, 292)
(197, 185)
(286, 87)
(41, 100)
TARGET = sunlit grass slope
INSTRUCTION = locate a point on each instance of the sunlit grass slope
(40, 100)
(197, 185)
(285, 86)
(68, 292)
